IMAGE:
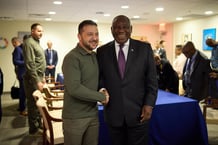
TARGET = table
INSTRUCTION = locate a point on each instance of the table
(176, 120)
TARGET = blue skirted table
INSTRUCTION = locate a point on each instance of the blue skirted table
(175, 120)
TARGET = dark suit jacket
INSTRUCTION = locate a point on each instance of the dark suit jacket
(167, 77)
(54, 57)
(199, 77)
(138, 88)
(18, 61)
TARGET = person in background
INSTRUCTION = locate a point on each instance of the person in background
(167, 77)
(178, 65)
(18, 62)
(214, 66)
(159, 49)
(80, 69)
(51, 56)
(179, 62)
(214, 53)
(35, 64)
(196, 73)
(127, 72)
(1, 91)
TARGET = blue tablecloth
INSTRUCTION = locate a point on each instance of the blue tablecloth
(175, 120)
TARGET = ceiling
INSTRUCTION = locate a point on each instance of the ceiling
(78, 10)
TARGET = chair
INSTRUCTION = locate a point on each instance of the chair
(54, 100)
(52, 132)
(210, 106)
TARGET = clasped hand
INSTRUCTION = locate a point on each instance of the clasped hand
(105, 92)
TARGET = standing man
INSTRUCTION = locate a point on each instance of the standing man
(51, 60)
(18, 62)
(35, 64)
(127, 71)
(161, 50)
(196, 73)
(80, 69)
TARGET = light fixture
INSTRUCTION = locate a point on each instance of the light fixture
(179, 18)
(208, 12)
(48, 19)
(159, 9)
(52, 13)
(107, 15)
(136, 17)
(124, 7)
(57, 2)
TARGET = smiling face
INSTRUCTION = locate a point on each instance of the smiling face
(88, 37)
(121, 29)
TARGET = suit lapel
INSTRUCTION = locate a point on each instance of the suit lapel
(130, 56)
(113, 58)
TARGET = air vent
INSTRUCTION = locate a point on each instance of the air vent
(193, 16)
(38, 15)
(6, 18)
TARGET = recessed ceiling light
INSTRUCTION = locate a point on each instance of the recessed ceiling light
(57, 2)
(136, 17)
(179, 18)
(124, 7)
(160, 9)
(107, 15)
(48, 19)
(52, 13)
(208, 12)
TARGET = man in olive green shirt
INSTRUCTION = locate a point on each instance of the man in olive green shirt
(80, 69)
(35, 65)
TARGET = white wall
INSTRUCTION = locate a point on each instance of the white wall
(195, 27)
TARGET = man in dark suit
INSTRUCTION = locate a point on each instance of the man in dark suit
(160, 50)
(132, 87)
(51, 60)
(18, 62)
(195, 73)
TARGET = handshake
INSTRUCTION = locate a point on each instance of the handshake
(105, 92)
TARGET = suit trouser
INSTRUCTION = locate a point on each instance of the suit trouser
(50, 71)
(34, 118)
(81, 131)
(22, 96)
(127, 135)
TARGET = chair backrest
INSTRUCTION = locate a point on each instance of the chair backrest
(47, 118)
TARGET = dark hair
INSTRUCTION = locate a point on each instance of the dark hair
(161, 42)
(85, 23)
(33, 26)
(26, 36)
(179, 46)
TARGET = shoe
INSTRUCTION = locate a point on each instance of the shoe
(39, 132)
(23, 113)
